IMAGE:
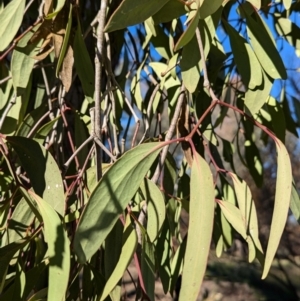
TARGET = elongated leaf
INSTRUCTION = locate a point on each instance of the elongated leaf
(131, 12)
(189, 33)
(65, 42)
(247, 63)
(128, 249)
(110, 197)
(257, 97)
(10, 19)
(148, 268)
(59, 5)
(255, 3)
(58, 248)
(248, 210)
(42, 133)
(22, 60)
(287, 4)
(156, 208)
(171, 10)
(282, 201)
(42, 170)
(83, 64)
(295, 203)
(7, 253)
(234, 217)
(208, 7)
(263, 46)
(202, 204)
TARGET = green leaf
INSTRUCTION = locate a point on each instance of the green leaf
(7, 253)
(284, 181)
(263, 45)
(295, 203)
(148, 268)
(257, 97)
(59, 5)
(156, 208)
(116, 188)
(234, 217)
(131, 12)
(65, 43)
(22, 60)
(255, 3)
(202, 204)
(10, 19)
(208, 7)
(287, 4)
(245, 59)
(128, 249)
(45, 177)
(248, 210)
(189, 33)
(58, 249)
(43, 132)
(171, 10)
(83, 64)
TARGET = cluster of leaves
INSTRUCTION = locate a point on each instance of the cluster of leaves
(75, 207)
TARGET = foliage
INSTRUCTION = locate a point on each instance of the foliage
(99, 160)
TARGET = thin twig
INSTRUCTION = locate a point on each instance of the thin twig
(66, 165)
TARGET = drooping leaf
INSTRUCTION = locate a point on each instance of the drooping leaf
(7, 252)
(148, 268)
(234, 217)
(10, 19)
(45, 175)
(115, 192)
(248, 210)
(202, 204)
(59, 5)
(284, 181)
(263, 45)
(189, 33)
(131, 12)
(22, 60)
(65, 43)
(156, 208)
(42, 133)
(58, 248)
(171, 10)
(247, 63)
(255, 3)
(295, 203)
(83, 65)
(208, 7)
(257, 97)
(128, 249)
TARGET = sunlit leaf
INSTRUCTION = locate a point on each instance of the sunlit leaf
(295, 203)
(59, 5)
(234, 217)
(116, 188)
(282, 202)
(202, 204)
(10, 19)
(247, 63)
(263, 46)
(189, 33)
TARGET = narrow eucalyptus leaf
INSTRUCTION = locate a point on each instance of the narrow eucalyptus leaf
(115, 190)
(282, 202)
(202, 205)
